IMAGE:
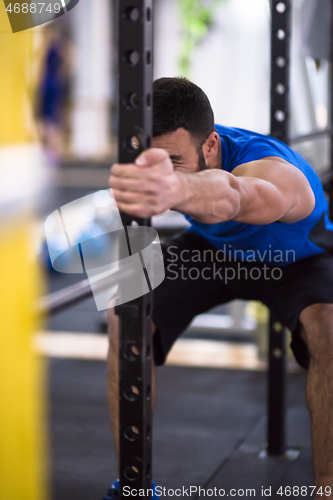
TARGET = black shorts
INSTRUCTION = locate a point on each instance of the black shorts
(199, 277)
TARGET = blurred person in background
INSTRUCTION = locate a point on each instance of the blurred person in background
(53, 95)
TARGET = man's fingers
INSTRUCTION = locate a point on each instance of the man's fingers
(132, 185)
(129, 197)
(140, 188)
(152, 157)
(126, 170)
(125, 184)
(137, 210)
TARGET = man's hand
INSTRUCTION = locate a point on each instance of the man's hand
(148, 187)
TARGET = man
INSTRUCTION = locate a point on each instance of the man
(258, 207)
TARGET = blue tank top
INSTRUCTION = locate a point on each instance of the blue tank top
(277, 243)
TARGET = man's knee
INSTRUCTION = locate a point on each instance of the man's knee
(113, 321)
(317, 322)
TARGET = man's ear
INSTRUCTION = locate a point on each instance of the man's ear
(211, 147)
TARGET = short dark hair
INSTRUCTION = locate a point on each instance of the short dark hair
(179, 103)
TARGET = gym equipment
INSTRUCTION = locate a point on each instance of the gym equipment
(73, 294)
(134, 21)
(279, 126)
(135, 80)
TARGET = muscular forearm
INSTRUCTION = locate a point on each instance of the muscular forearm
(213, 196)
(209, 196)
(256, 193)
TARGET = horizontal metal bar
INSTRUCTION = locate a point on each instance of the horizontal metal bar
(73, 294)
(311, 135)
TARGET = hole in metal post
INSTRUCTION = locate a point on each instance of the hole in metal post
(280, 89)
(148, 432)
(131, 352)
(280, 7)
(148, 310)
(131, 472)
(280, 34)
(131, 433)
(148, 393)
(148, 57)
(277, 353)
(148, 471)
(148, 14)
(280, 62)
(279, 115)
(132, 101)
(133, 142)
(132, 13)
(131, 393)
(148, 142)
(278, 327)
(132, 57)
(148, 351)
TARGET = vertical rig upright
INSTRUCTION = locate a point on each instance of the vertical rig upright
(134, 19)
(279, 128)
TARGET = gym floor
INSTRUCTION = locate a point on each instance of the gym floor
(209, 429)
(209, 425)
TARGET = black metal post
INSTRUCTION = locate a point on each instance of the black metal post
(280, 63)
(135, 78)
(276, 388)
(279, 125)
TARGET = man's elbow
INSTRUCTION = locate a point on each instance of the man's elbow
(228, 208)
(208, 218)
(215, 215)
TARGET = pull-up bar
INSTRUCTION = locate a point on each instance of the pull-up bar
(311, 135)
(73, 294)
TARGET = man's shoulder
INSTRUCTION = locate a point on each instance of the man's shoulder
(242, 146)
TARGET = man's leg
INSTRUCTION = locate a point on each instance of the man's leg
(317, 322)
(113, 375)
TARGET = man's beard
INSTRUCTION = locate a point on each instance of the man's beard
(202, 165)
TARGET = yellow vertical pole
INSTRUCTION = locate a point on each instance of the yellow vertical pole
(22, 437)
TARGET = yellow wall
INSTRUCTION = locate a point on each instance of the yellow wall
(15, 63)
(22, 465)
(22, 459)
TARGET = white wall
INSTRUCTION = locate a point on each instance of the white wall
(92, 79)
(309, 95)
(231, 65)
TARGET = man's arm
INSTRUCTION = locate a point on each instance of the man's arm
(259, 192)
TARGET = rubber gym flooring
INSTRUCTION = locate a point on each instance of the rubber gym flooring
(208, 430)
(209, 425)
